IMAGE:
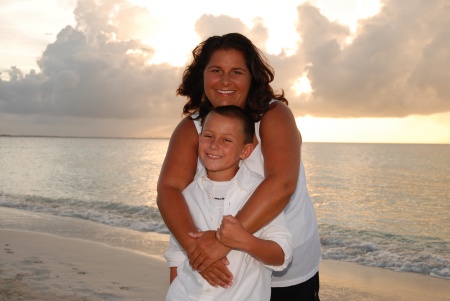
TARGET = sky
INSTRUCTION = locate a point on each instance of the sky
(371, 71)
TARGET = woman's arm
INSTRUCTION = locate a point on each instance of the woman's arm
(280, 143)
(177, 172)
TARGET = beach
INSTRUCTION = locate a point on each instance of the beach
(42, 260)
(48, 267)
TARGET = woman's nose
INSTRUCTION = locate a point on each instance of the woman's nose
(225, 80)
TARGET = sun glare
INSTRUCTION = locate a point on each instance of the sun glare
(174, 38)
(411, 129)
(302, 85)
(349, 12)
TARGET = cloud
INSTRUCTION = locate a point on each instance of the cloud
(209, 25)
(394, 67)
(97, 73)
(89, 72)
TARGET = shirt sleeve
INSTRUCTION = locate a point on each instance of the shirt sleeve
(278, 232)
(174, 254)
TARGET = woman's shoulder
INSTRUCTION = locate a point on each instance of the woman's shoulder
(186, 122)
(278, 122)
(185, 128)
(278, 111)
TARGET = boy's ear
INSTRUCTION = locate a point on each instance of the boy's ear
(247, 151)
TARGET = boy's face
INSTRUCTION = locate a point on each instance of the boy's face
(221, 146)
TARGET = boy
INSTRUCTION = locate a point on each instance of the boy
(216, 195)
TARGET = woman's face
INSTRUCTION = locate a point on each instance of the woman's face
(226, 78)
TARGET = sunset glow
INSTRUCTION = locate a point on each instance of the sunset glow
(353, 71)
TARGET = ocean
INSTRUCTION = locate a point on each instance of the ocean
(380, 205)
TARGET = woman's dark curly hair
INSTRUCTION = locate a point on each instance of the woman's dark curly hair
(260, 93)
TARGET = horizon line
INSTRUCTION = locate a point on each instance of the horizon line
(167, 138)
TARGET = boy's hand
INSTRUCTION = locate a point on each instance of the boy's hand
(232, 233)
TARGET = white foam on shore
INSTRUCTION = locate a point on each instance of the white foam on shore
(150, 243)
(407, 253)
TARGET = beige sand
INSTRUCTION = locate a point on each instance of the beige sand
(46, 267)
(39, 266)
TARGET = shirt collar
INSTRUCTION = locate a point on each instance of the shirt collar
(241, 180)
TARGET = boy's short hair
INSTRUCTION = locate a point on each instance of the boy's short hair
(238, 113)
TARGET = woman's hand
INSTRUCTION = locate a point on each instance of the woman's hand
(217, 274)
(206, 250)
(208, 257)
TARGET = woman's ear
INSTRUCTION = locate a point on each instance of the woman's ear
(247, 151)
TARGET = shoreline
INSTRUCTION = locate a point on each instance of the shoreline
(70, 259)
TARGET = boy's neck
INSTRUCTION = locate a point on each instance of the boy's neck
(221, 176)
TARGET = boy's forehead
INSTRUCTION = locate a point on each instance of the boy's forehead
(225, 120)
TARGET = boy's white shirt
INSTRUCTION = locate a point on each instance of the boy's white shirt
(251, 277)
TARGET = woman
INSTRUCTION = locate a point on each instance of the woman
(230, 70)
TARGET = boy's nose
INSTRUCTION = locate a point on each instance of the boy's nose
(213, 145)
